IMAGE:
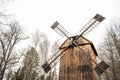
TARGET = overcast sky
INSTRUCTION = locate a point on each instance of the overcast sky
(71, 14)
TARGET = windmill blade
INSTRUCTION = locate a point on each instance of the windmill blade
(96, 20)
(59, 29)
(51, 62)
(101, 67)
(47, 65)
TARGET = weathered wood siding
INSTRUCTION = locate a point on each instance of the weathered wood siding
(75, 65)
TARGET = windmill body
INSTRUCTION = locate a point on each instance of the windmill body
(74, 65)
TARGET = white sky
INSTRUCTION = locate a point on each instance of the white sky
(71, 14)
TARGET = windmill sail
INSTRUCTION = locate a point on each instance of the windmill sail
(51, 62)
(96, 20)
(101, 67)
(59, 29)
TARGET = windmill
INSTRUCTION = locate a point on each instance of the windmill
(77, 55)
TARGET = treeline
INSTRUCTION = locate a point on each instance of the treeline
(21, 55)
(20, 60)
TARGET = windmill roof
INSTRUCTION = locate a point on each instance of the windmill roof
(90, 43)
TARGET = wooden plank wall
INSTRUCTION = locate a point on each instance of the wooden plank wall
(77, 66)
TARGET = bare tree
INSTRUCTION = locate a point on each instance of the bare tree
(41, 43)
(10, 35)
(44, 47)
(55, 48)
(4, 1)
(36, 38)
(3, 5)
(110, 50)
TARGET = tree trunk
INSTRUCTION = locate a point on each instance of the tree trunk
(3, 71)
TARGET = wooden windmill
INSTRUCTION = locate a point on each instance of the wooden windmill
(77, 55)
